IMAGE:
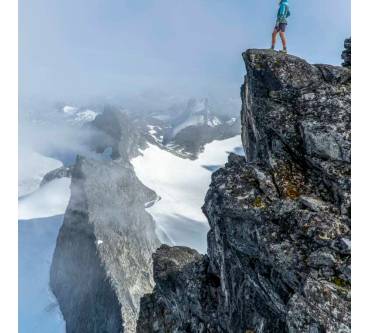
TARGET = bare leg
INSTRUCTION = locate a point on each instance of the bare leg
(283, 39)
(274, 35)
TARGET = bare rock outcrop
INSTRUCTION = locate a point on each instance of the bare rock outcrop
(62, 172)
(279, 248)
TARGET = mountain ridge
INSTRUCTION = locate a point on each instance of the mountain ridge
(102, 262)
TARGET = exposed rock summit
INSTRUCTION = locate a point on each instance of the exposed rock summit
(279, 244)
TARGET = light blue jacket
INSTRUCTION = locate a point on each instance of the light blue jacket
(283, 12)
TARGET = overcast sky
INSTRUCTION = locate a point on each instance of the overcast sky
(82, 49)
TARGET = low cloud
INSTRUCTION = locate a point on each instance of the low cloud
(119, 49)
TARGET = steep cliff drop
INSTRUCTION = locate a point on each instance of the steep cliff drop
(279, 245)
(102, 262)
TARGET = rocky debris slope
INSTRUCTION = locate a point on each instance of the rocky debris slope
(102, 263)
(279, 244)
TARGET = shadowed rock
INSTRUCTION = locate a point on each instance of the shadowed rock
(102, 262)
(185, 295)
(346, 54)
(117, 131)
(279, 243)
(62, 172)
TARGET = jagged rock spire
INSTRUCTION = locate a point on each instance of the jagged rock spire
(346, 54)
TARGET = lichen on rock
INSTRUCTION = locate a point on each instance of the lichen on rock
(279, 254)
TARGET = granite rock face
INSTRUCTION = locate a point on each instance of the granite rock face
(102, 264)
(296, 120)
(279, 246)
(185, 295)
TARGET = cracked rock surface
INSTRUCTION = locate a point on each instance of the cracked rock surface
(279, 248)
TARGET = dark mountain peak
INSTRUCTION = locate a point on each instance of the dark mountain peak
(117, 131)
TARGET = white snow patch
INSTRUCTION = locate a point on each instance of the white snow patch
(182, 185)
(51, 199)
(70, 109)
(214, 121)
(99, 242)
(152, 129)
(78, 115)
(32, 168)
(85, 116)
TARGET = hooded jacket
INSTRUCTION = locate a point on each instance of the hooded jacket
(283, 12)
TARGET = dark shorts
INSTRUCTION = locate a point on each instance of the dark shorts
(281, 27)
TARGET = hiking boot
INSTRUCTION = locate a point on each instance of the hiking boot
(284, 51)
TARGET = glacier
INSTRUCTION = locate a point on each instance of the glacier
(182, 185)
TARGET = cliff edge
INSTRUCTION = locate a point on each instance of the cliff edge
(279, 245)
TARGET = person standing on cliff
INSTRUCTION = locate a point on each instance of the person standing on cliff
(281, 24)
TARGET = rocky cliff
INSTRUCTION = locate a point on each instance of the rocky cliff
(279, 245)
(102, 263)
(346, 54)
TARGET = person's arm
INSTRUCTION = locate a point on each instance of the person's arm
(287, 12)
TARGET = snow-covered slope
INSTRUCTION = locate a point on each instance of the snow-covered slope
(38, 310)
(182, 185)
(32, 168)
(49, 200)
(40, 212)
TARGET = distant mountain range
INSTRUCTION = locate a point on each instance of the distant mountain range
(182, 130)
(185, 133)
(105, 245)
(115, 179)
